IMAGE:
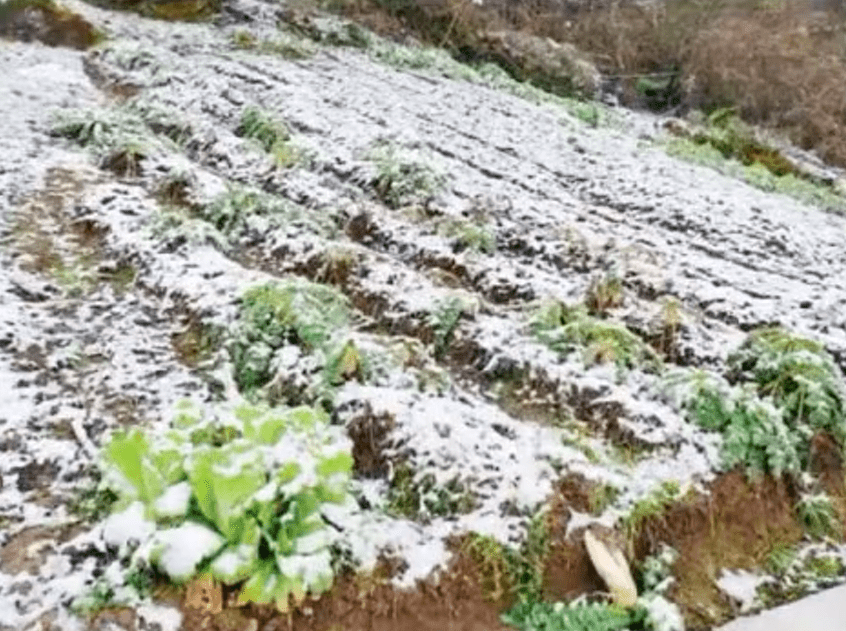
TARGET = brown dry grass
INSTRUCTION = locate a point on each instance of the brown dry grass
(783, 67)
(780, 63)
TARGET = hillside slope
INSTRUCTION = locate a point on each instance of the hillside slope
(456, 217)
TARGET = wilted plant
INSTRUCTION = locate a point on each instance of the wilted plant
(604, 294)
(125, 159)
(336, 265)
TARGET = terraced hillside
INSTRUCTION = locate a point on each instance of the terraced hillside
(502, 319)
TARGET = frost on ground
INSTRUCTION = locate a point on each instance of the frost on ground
(444, 210)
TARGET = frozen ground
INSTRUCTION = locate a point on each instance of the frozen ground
(564, 202)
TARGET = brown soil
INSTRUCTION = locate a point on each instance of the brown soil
(736, 526)
(456, 602)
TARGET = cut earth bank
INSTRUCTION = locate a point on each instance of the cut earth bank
(518, 324)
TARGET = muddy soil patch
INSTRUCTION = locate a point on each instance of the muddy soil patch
(735, 527)
(456, 601)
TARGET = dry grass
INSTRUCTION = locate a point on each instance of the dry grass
(780, 67)
(777, 61)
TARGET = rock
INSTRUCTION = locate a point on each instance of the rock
(559, 68)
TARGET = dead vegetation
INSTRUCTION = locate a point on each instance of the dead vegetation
(780, 64)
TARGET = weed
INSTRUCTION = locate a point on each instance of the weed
(527, 564)
(602, 496)
(588, 113)
(401, 179)
(566, 329)
(125, 159)
(272, 136)
(656, 570)
(243, 39)
(490, 558)
(420, 497)
(469, 235)
(234, 212)
(174, 190)
(336, 266)
(444, 320)
(780, 558)
(818, 515)
(344, 364)
(92, 502)
(653, 505)
(196, 343)
(579, 442)
(604, 294)
(798, 572)
(670, 321)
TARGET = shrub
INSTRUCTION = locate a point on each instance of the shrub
(237, 495)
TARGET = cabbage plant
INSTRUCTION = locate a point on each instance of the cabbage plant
(237, 495)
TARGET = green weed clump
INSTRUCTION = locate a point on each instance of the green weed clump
(444, 319)
(401, 178)
(272, 136)
(818, 515)
(786, 389)
(469, 235)
(119, 139)
(797, 573)
(567, 329)
(234, 211)
(420, 497)
(237, 495)
(578, 616)
(273, 316)
(509, 570)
